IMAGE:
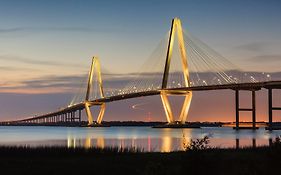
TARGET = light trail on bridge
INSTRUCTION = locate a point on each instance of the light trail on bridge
(138, 106)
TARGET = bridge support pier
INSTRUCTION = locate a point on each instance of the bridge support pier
(94, 67)
(65, 117)
(89, 113)
(79, 115)
(238, 109)
(72, 116)
(271, 109)
(176, 28)
(167, 107)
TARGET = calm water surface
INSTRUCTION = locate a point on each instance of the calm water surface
(146, 138)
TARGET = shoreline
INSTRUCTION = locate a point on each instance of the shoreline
(136, 123)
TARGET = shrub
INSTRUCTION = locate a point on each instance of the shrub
(198, 144)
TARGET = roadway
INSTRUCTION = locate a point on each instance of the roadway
(241, 86)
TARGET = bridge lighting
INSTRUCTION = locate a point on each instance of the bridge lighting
(164, 92)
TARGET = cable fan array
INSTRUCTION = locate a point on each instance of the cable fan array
(205, 65)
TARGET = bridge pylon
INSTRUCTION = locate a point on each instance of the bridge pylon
(176, 28)
(94, 67)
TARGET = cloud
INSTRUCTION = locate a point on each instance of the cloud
(73, 82)
(35, 62)
(54, 81)
(8, 68)
(54, 29)
(10, 30)
(253, 47)
(113, 82)
(266, 58)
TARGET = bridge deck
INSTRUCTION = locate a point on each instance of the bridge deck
(242, 86)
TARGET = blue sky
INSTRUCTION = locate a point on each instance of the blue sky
(40, 39)
(75, 29)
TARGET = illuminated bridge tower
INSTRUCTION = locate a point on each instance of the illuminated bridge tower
(176, 29)
(95, 67)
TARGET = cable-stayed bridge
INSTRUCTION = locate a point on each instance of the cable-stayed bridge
(178, 66)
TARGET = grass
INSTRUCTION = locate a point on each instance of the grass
(61, 160)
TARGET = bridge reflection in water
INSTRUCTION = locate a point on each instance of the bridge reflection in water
(144, 138)
(165, 143)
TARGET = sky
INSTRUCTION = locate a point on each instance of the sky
(45, 46)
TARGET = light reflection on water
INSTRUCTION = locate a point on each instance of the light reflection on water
(144, 138)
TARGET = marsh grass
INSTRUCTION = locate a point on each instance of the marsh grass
(197, 159)
(61, 150)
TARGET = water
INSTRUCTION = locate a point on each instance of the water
(145, 138)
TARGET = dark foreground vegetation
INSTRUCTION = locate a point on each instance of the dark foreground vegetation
(197, 159)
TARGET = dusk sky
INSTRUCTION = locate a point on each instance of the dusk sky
(45, 45)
